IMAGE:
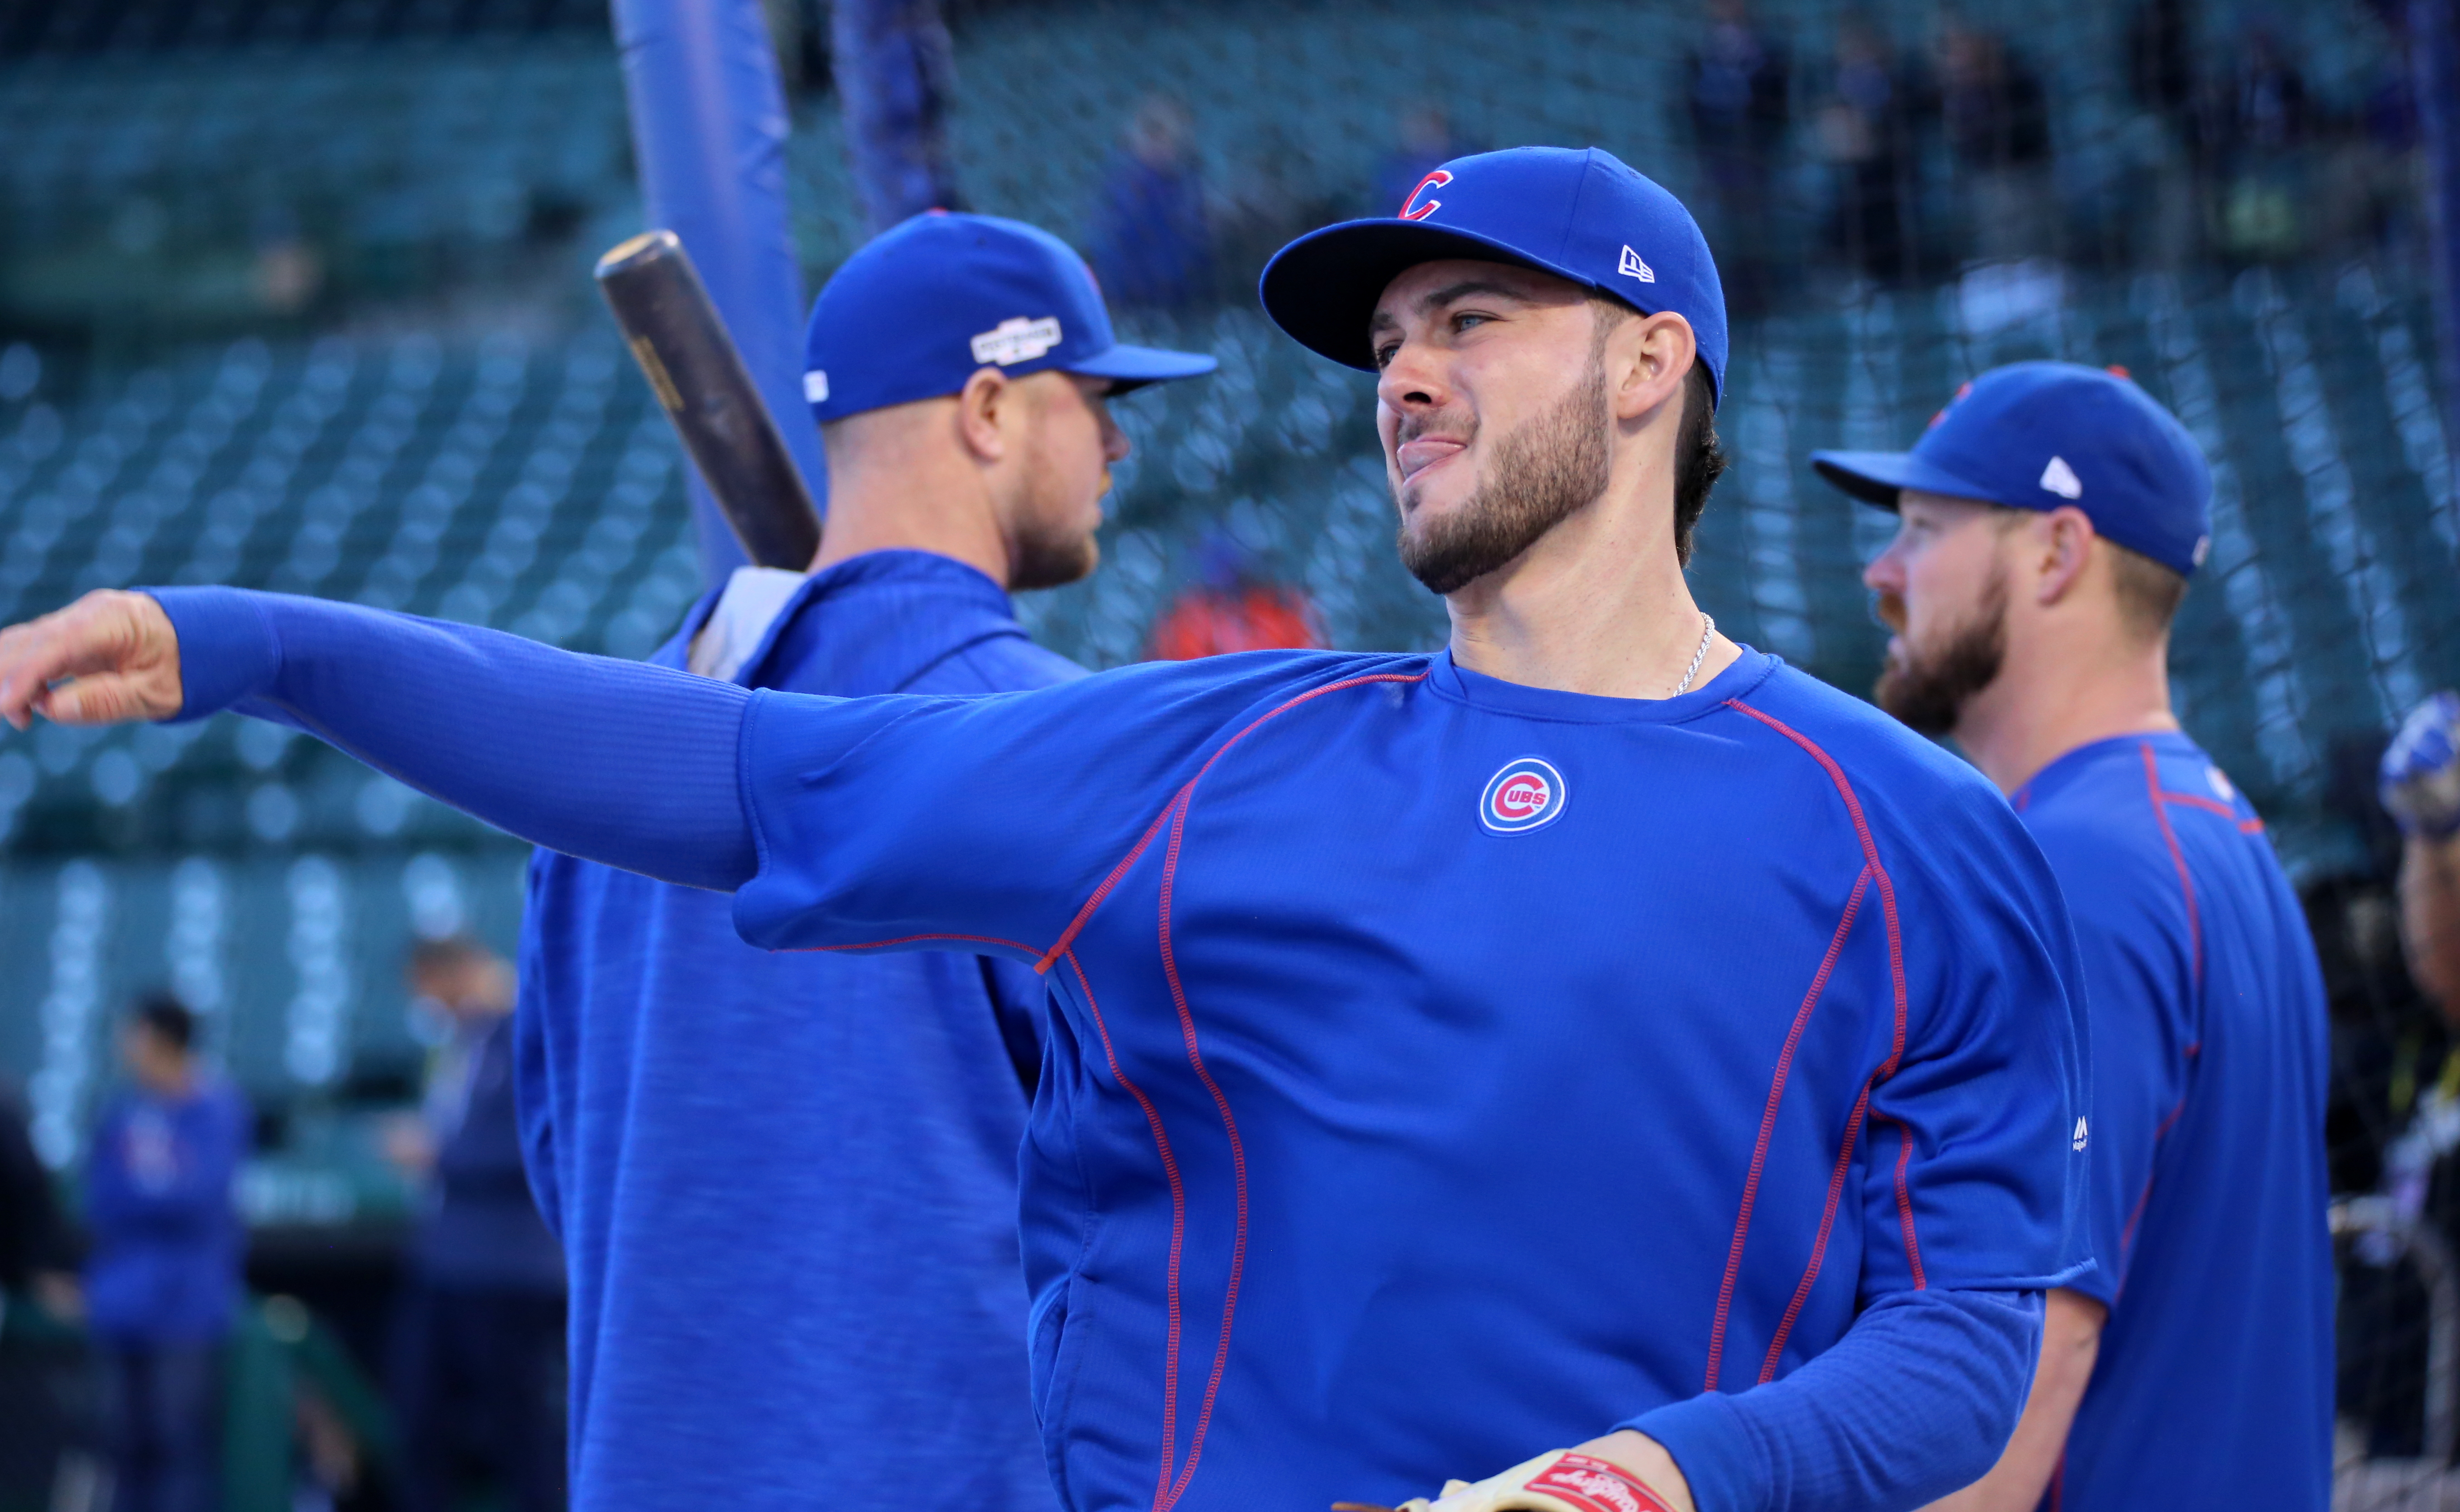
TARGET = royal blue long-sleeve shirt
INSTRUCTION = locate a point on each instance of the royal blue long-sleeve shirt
(788, 1179)
(1870, 1348)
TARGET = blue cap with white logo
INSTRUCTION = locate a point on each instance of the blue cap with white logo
(2046, 435)
(926, 303)
(1581, 216)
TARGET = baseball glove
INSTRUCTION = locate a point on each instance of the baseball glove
(1556, 1482)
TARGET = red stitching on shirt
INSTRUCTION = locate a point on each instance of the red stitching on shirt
(1896, 974)
(1177, 1203)
(1768, 1123)
(2250, 826)
(2178, 858)
(2127, 1235)
(1083, 915)
(2196, 801)
(1819, 1245)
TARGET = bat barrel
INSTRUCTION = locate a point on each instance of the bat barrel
(693, 366)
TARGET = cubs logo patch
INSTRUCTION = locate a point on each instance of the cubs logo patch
(1526, 795)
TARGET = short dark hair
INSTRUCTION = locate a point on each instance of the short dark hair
(165, 1017)
(2149, 594)
(1699, 461)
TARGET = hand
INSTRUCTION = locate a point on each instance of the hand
(1623, 1471)
(118, 652)
(2420, 771)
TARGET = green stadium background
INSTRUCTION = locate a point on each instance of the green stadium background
(295, 296)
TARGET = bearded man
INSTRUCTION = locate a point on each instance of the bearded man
(2049, 520)
(1594, 1033)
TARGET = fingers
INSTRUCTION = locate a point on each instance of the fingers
(118, 648)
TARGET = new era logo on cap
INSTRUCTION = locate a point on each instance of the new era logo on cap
(2059, 478)
(816, 387)
(1633, 267)
(1017, 340)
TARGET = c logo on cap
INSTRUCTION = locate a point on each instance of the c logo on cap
(1411, 209)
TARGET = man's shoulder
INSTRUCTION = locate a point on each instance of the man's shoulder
(1873, 752)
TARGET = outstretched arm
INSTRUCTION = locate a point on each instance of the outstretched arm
(609, 760)
(2070, 1343)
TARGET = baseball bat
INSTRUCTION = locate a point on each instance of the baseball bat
(693, 366)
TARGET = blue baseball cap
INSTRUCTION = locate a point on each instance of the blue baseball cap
(928, 302)
(2046, 435)
(1581, 216)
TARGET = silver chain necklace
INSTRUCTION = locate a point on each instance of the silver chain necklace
(1708, 633)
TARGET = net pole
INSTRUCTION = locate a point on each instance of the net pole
(709, 130)
(2434, 60)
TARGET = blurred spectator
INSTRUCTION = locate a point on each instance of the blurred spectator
(2420, 787)
(1151, 243)
(33, 1249)
(2259, 126)
(479, 1336)
(1864, 130)
(1996, 118)
(1739, 83)
(1424, 143)
(2155, 217)
(164, 1280)
(1229, 608)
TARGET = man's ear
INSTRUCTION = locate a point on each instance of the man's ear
(2061, 543)
(1646, 360)
(982, 409)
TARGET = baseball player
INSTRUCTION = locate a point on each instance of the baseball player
(2421, 788)
(2049, 520)
(787, 1181)
(1594, 1041)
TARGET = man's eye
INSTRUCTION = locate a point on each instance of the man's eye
(1385, 353)
(1468, 318)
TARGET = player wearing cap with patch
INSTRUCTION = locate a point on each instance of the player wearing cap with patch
(1595, 1041)
(786, 1182)
(2050, 519)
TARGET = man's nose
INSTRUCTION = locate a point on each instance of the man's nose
(1886, 573)
(1412, 380)
(1116, 444)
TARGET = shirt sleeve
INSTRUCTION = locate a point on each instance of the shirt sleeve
(1974, 1169)
(1916, 1400)
(986, 823)
(609, 760)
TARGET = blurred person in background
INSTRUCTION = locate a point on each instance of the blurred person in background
(1996, 118)
(787, 1180)
(479, 1334)
(1865, 131)
(1152, 241)
(2260, 121)
(1740, 79)
(1232, 607)
(2421, 788)
(34, 1265)
(163, 1279)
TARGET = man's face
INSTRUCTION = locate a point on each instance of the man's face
(1492, 409)
(1941, 586)
(1070, 443)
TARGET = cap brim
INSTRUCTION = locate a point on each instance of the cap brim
(1879, 477)
(1322, 288)
(1133, 367)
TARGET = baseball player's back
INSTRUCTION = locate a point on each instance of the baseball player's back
(786, 1182)
(2214, 1384)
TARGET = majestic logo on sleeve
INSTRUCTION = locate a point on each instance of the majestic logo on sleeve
(1412, 210)
(1526, 795)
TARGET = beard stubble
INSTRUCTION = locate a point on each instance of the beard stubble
(1927, 689)
(1543, 472)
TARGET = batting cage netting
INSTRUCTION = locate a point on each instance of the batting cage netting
(296, 296)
